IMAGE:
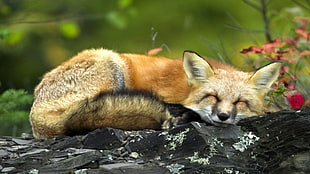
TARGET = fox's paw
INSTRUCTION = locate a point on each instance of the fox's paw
(170, 122)
(186, 117)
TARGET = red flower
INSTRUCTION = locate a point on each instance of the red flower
(305, 53)
(296, 100)
(291, 42)
(269, 47)
(302, 30)
(303, 21)
(303, 33)
(253, 49)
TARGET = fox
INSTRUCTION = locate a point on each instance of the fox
(101, 88)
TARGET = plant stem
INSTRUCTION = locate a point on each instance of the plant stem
(266, 21)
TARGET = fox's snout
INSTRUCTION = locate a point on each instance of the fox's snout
(223, 116)
(213, 116)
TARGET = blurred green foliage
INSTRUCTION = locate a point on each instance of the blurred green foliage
(36, 36)
(70, 29)
(14, 111)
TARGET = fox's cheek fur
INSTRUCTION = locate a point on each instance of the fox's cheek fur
(244, 109)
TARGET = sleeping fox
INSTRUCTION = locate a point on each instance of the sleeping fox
(100, 88)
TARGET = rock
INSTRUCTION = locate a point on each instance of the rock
(299, 163)
(137, 169)
(21, 141)
(33, 152)
(81, 171)
(117, 165)
(8, 169)
(134, 155)
(302, 161)
(6, 142)
(67, 142)
(275, 143)
(3, 153)
(34, 171)
(73, 162)
(26, 136)
(105, 138)
(74, 151)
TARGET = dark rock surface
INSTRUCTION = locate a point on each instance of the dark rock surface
(275, 143)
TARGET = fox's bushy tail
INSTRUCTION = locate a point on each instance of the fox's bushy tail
(127, 110)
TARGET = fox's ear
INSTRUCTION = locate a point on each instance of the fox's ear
(266, 75)
(196, 68)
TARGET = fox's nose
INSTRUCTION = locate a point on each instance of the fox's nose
(222, 116)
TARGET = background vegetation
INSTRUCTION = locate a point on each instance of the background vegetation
(36, 36)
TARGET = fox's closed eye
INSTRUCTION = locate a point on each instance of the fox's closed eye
(211, 97)
(240, 101)
(242, 104)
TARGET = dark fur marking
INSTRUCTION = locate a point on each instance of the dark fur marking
(118, 76)
(187, 115)
(127, 93)
(267, 65)
(190, 51)
(177, 109)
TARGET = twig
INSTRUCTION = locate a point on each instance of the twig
(302, 5)
(266, 21)
(252, 4)
(54, 20)
(263, 10)
(153, 36)
(167, 48)
(237, 26)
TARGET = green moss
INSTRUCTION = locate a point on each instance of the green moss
(176, 140)
(246, 141)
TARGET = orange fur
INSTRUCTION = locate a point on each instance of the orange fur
(156, 74)
(67, 97)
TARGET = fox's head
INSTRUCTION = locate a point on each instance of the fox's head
(224, 95)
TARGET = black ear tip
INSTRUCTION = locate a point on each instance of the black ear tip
(190, 52)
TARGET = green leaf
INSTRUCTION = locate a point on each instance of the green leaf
(117, 19)
(70, 30)
(5, 9)
(279, 91)
(13, 38)
(124, 3)
(4, 33)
